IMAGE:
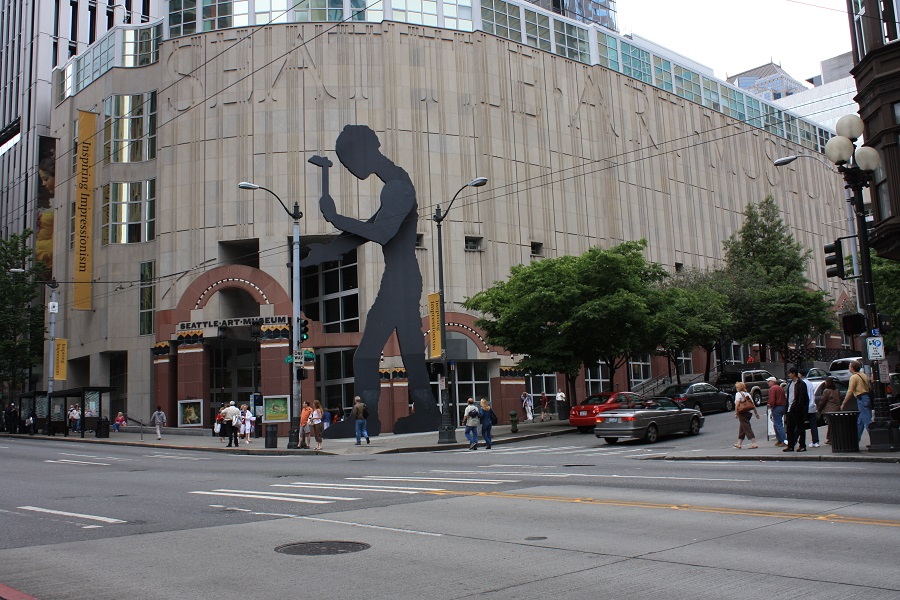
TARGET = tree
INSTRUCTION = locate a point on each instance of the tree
(21, 319)
(769, 297)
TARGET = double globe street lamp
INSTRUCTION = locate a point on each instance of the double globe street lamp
(857, 165)
(447, 432)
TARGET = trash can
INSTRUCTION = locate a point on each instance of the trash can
(271, 436)
(844, 433)
(103, 428)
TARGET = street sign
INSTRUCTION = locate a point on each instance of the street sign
(884, 371)
(53, 307)
(875, 346)
(288, 359)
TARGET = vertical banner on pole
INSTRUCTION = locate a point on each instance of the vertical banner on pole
(434, 320)
(84, 211)
(60, 358)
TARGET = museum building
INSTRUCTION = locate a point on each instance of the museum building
(175, 283)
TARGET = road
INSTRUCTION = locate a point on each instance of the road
(560, 516)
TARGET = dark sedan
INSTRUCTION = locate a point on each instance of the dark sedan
(699, 396)
(647, 420)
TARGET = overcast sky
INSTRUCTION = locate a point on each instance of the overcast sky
(731, 36)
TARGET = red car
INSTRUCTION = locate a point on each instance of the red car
(584, 416)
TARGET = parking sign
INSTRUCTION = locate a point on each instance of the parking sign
(875, 346)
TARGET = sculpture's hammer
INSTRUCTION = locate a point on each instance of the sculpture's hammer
(324, 163)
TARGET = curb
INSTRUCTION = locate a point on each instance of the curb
(849, 457)
(463, 446)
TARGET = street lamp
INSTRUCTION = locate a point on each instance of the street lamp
(296, 215)
(856, 164)
(447, 432)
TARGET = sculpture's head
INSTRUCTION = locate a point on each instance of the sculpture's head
(357, 149)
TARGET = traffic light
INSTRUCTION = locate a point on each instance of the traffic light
(853, 324)
(884, 323)
(834, 259)
(304, 330)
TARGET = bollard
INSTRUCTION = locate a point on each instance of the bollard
(513, 421)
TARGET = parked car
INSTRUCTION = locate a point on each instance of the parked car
(815, 374)
(647, 420)
(754, 379)
(893, 387)
(840, 368)
(584, 415)
(700, 396)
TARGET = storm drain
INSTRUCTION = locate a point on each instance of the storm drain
(535, 538)
(321, 548)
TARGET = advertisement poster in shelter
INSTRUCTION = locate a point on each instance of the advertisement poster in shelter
(276, 409)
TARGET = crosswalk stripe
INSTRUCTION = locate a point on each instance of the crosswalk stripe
(286, 494)
(175, 457)
(93, 456)
(77, 462)
(264, 496)
(71, 514)
(357, 488)
(435, 479)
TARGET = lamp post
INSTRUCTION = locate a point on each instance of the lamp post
(856, 164)
(447, 432)
(296, 215)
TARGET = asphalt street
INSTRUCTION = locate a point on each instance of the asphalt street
(564, 515)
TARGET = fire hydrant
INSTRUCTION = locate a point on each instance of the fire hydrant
(513, 421)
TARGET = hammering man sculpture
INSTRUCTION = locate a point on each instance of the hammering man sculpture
(396, 308)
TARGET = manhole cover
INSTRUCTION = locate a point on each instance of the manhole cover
(535, 538)
(321, 548)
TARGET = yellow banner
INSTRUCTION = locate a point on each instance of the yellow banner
(60, 358)
(434, 318)
(84, 210)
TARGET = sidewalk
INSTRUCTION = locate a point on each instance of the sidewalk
(710, 447)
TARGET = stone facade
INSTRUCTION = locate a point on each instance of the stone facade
(576, 155)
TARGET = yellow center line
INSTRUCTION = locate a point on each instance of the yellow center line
(747, 512)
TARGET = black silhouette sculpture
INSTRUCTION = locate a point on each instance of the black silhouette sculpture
(396, 308)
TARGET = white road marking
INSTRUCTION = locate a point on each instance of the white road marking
(175, 457)
(77, 462)
(267, 496)
(70, 514)
(367, 526)
(92, 527)
(439, 479)
(358, 488)
(286, 494)
(92, 456)
(600, 475)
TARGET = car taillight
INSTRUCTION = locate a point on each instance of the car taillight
(628, 419)
(679, 399)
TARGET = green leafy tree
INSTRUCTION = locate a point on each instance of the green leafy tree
(886, 275)
(21, 318)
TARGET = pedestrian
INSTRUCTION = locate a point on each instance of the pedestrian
(317, 427)
(12, 419)
(219, 427)
(305, 413)
(326, 420)
(470, 418)
(76, 416)
(360, 413)
(527, 405)
(777, 404)
(158, 419)
(545, 407)
(232, 422)
(484, 413)
(119, 422)
(247, 419)
(797, 412)
(743, 406)
(829, 402)
(31, 422)
(560, 403)
(812, 418)
(860, 389)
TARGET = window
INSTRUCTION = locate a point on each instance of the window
(472, 381)
(845, 341)
(754, 114)
(596, 379)
(662, 73)
(128, 213)
(306, 10)
(502, 19)
(685, 362)
(458, 14)
(572, 42)
(537, 30)
(711, 94)
(537, 249)
(423, 12)
(544, 383)
(474, 244)
(773, 120)
(222, 14)
(331, 294)
(420, 240)
(182, 17)
(636, 63)
(140, 47)
(639, 370)
(374, 12)
(334, 378)
(733, 103)
(608, 50)
(687, 84)
(129, 128)
(147, 310)
(734, 353)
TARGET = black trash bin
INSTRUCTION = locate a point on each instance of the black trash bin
(271, 436)
(844, 434)
(103, 428)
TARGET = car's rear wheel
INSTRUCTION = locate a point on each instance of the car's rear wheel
(611, 440)
(652, 434)
(697, 406)
(585, 429)
(729, 405)
(757, 398)
(694, 429)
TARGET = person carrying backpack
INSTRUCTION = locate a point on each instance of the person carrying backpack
(488, 420)
(360, 413)
(471, 420)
